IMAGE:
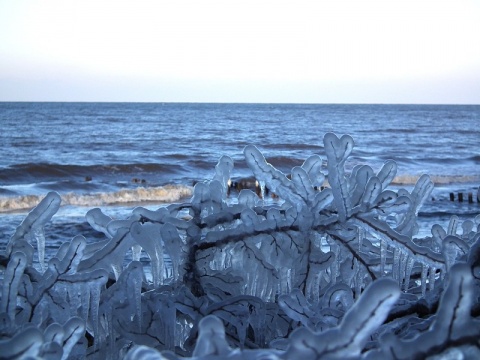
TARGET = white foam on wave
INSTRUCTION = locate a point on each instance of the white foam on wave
(163, 194)
(175, 192)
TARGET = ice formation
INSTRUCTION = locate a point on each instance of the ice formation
(331, 270)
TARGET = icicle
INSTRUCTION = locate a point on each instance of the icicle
(173, 246)
(408, 271)
(117, 270)
(148, 237)
(431, 278)
(285, 284)
(396, 264)
(134, 273)
(138, 299)
(74, 298)
(359, 278)
(361, 236)
(261, 183)
(383, 256)
(94, 314)
(39, 235)
(424, 279)
(85, 299)
(403, 268)
(111, 332)
(334, 266)
(136, 252)
(312, 291)
(467, 227)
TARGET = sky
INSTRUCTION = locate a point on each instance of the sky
(314, 51)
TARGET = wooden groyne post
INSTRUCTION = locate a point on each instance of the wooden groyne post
(470, 197)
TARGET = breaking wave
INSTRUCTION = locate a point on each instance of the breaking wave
(163, 194)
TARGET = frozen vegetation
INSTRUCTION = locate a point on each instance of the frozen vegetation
(329, 272)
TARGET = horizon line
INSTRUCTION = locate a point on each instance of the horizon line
(230, 102)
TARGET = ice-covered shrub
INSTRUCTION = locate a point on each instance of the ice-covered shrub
(330, 271)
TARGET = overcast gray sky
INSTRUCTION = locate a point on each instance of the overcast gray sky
(315, 51)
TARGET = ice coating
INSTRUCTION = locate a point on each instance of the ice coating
(452, 322)
(32, 226)
(73, 331)
(99, 221)
(315, 274)
(223, 171)
(337, 151)
(313, 167)
(348, 339)
(25, 344)
(275, 179)
(211, 340)
(11, 282)
(148, 238)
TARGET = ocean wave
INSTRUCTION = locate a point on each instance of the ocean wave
(475, 158)
(400, 130)
(20, 172)
(163, 194)
(295, 146)
(437, 179)
(284, 162)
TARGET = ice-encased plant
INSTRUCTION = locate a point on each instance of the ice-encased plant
(330, 271)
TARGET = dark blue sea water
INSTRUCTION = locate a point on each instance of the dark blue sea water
(117, 155)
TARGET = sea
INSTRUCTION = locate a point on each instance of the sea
(117, 156)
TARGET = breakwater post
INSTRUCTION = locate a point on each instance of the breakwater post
(460, 197)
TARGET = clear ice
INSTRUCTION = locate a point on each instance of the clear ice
(329, 270)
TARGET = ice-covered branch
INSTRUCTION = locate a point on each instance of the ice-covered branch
(349, 338)
(337, 151)
(32, 227)
(313, 274)
(452, 326)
